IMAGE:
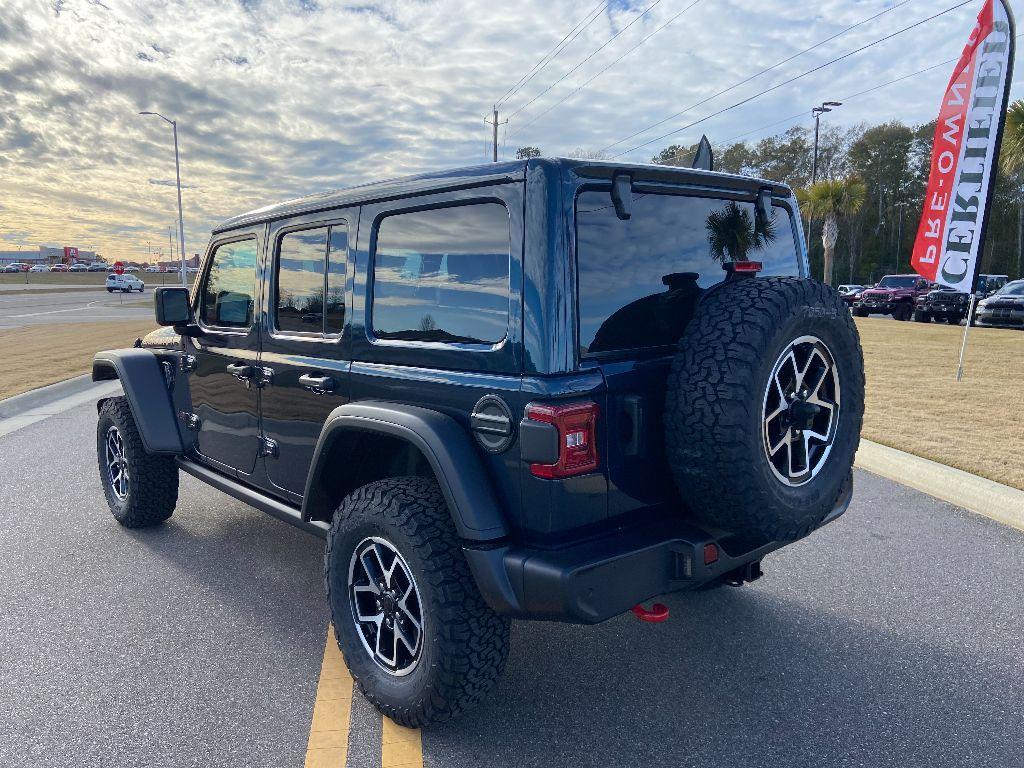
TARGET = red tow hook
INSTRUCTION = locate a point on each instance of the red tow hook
(657, 613)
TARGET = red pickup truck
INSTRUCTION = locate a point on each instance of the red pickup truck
(894, 295)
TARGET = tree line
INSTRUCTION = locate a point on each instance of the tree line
(873, 192)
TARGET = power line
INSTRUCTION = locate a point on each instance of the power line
(765, 71)
(852, 96)
(792, 79)
(589, 57)
(592, 79)
(550, 56)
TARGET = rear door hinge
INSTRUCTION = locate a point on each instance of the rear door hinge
(268, 447)
(190, 420)
(188, 363)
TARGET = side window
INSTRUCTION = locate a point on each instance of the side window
(299, 293)
(443, 275)
(309, 286)
(337, 259)
(230, 288)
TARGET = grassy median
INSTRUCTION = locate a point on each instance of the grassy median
(85, 279)
(915, 404)
(43, 354)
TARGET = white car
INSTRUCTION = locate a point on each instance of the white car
(78, 268)
(124, 283)
(131, 268)
(39, 268)
(152, 269)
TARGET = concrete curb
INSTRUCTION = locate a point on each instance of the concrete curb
(975, 494)
(35, 398)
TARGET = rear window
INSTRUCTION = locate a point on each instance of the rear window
(640, 278)
(443, 275)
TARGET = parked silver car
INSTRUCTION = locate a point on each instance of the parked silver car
(1004, 308)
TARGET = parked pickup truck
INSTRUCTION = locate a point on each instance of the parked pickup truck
(945, 304)
(545, 389)
(894, 295)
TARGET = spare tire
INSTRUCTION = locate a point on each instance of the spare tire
(764, 407)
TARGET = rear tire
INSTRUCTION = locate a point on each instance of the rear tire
(404, 526)
(902, 312)
(742, 446)
(860, 312)
(141, 488)
(922, 317)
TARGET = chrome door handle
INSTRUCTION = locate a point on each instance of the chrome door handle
(318, 384)
(240, 371)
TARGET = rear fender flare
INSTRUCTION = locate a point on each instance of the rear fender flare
(447, 447)
(145, 388)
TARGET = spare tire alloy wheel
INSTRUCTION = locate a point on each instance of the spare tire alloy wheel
(386, 606)
(801, 411)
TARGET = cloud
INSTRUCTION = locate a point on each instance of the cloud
(280, 98)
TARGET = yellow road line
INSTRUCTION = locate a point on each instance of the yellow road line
(332, 711)
(400, 747)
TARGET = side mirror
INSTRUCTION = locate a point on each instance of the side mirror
(172, 306)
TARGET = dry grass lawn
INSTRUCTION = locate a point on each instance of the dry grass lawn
(85, 278)
(43, 354)
(913, 400)
(915, 404)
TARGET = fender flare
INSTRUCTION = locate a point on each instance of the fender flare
(146, 389)
(447, 448)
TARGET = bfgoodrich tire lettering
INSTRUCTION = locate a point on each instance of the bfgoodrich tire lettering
(713, 415)
(463, 644)
(143, 489)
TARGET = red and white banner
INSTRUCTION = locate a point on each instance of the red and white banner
(965, 153)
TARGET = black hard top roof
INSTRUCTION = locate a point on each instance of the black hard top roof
(481, 175)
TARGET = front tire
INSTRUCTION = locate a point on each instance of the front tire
(141, 488)
(922, 317)
(902, 312)
(420, 641)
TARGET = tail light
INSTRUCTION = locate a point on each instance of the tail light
(577, 438)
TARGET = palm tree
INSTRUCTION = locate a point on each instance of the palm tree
(1012, 157)
(732, 234)
(833, 201)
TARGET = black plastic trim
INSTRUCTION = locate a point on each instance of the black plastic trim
(538, 442)
(146, 389)
(595, 580)
(254, 498)
(448, 448)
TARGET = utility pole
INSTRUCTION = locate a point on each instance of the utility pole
(899, 237)
(493, 122)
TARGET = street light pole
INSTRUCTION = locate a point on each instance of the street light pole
(177, 173)
(826, 106)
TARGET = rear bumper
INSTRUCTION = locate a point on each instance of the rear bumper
(595, 580)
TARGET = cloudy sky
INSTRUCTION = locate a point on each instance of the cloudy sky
(278, 98)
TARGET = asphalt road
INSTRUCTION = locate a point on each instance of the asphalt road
(893, 637)
(18, 309)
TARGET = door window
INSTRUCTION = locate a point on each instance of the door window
(443, 275)
(309, 293)
(230, 287)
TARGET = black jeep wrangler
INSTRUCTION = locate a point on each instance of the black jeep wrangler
(547, 389)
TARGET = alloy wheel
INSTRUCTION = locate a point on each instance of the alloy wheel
(800, 414)
(117, 463)
(386, 606)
